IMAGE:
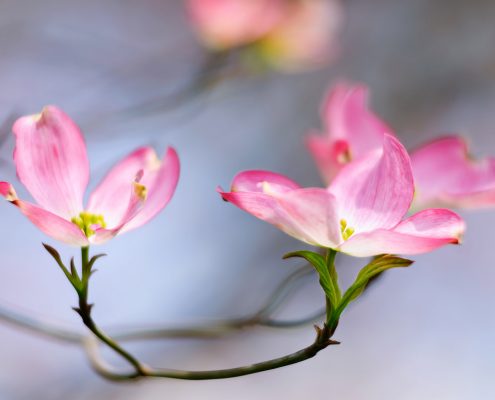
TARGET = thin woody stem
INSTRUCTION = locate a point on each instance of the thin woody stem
(263, 317)
(84, 311)
(323, 340)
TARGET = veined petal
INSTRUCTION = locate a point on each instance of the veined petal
(161, 186)
(376, 191)
(51, 161)
(49, 223)
(445, 174)
(314, 217)
(136, 200)
(256, 181)
(110, 196)
(306, 214)
(421, 233)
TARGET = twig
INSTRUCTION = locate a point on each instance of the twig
(140, 370)
(216, 329)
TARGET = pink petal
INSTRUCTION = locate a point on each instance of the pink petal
(352, 130)
(136, 199)
(159, 178)
(7, 191)
(223, 24)
(444, 174)
(306, 214)
(421, 233)
(330, 156)
(49, 223)
(253, 181)
(376, 191)
(161, 186)
(51, 161)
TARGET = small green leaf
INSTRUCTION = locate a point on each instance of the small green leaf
(326, 282)
(93, 260)
(73, 269)
(74, 280)
(54, 253)
(370, 271)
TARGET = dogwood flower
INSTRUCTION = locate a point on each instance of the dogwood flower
(444, 173)
(284, 34)
(351, 130)
(224, 24)
(361, 213)
(51, 162)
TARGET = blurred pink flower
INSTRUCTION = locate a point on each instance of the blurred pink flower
(361, 213)
(443, 172)
(285, 34)
(351, 129)
(223, 24)
(51, 162)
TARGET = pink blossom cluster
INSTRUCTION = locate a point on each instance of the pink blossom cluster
(372, 182)
(372, 185)
(444, 172)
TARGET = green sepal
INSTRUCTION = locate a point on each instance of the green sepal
(327, 283)
(372, 270)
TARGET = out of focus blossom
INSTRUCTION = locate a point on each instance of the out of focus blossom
(52, 163)
(284, 34)
(351, 130)
(444, 173)
(361, 213)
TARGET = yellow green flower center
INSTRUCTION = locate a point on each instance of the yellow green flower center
(346, 231)
(86, 220)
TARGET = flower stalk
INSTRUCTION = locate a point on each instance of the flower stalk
(84, 310)
(140, 370)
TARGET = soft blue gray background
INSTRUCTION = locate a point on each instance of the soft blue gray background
(423, 333)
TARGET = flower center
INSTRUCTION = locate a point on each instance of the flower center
(346, 231)
(87, 221)
(344, 157)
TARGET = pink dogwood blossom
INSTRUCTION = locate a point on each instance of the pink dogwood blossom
(285, 34)
(351, 129)
(223, 24)
(361, 213)
(51, 162)
(444, 174)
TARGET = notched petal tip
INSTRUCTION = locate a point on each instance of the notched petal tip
(8, 191)
(37, 118)
(222, 193)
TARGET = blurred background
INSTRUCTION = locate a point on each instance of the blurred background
(123, 70)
